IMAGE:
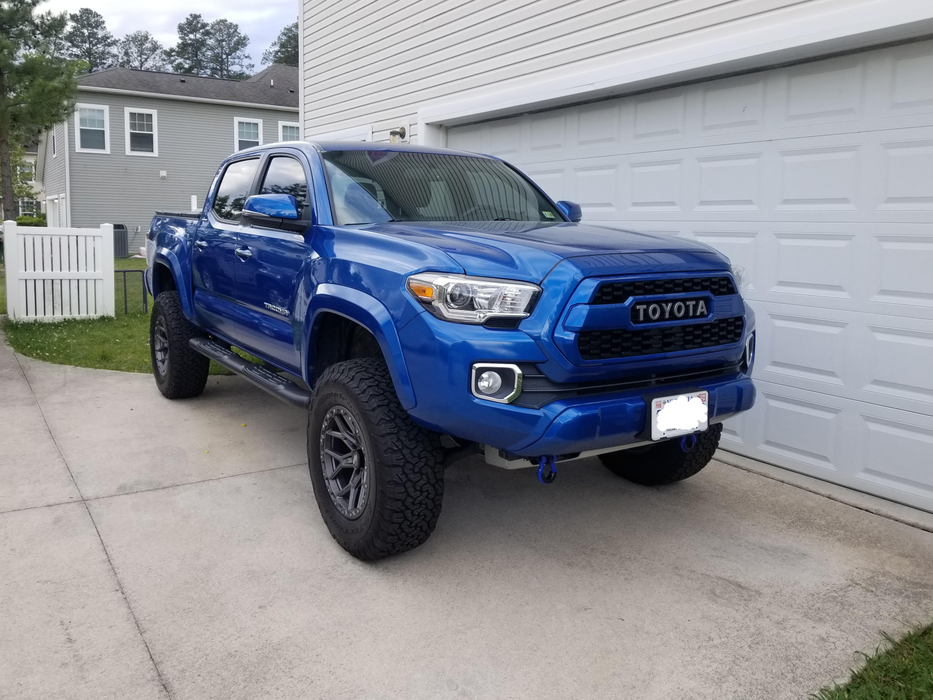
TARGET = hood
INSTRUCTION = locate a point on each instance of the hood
(530, 250)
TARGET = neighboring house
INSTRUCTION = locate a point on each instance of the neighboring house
(33, 205)
(139, 141)
(795, 136)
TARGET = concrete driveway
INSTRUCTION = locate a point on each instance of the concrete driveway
(156, 549)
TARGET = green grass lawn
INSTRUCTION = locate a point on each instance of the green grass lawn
(904, 671)
(120, 343)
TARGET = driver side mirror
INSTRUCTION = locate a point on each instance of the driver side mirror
(571, 210)
(273, 211)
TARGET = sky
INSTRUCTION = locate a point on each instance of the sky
(261, 21)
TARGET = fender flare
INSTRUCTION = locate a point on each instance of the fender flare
(370, 313)
(167, 257)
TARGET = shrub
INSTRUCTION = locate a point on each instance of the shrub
(38, 220)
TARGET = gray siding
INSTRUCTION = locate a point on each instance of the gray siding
(193, 138)
(53, 181)
(377, 63)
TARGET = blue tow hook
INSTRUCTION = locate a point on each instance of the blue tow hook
(688, 442)
(547, 461)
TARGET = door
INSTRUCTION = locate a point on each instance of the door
(214, 249)
(267, 271)
(818, 180)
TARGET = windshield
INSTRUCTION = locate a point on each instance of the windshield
(376, 186)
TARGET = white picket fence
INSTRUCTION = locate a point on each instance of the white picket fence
(57, 273)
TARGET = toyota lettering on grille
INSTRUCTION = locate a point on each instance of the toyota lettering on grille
(655, 311)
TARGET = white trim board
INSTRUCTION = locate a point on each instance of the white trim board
(802, 31)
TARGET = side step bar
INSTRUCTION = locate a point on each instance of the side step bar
(279, 387)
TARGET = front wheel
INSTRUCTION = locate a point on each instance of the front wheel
(377, 477)
(180, 372)
(665, 462)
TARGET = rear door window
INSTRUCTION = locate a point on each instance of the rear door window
(234, 188)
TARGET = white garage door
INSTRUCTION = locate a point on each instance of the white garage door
(818, 180)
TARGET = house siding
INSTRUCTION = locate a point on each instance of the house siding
(193, 138)
(53, 181)
(379, 66)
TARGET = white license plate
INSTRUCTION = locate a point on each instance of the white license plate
(679, 415)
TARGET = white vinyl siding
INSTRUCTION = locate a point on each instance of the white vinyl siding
(246, 133)
(289, 131)
(92, 126)
(381, 66)
(817, 179)
(141, 131)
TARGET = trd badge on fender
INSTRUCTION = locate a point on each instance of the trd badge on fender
(669, 310)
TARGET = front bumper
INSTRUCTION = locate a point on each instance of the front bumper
(440, 356)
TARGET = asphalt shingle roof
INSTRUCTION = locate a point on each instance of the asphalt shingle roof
(276, 85)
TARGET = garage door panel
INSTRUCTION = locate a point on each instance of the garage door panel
(897, 456)
(876, 449)
(871, 358)
(830, 91)
(817, 179)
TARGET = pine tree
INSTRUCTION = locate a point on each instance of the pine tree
(37, 88)
(142, 51)
(189, 55)
(285, 48)
(226, 51)
(89, 40)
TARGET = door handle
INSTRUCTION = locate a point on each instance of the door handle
(244, 253)
(200, 245)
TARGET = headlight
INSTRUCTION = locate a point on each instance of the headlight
(466, 299)
(740, 277)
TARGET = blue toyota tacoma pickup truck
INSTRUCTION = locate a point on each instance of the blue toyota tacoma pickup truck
(424, 305)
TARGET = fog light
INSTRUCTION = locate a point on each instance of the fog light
(496, 382)
(749, 351)
(489, 382)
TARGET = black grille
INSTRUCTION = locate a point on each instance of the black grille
(619, 292)
(607, 345)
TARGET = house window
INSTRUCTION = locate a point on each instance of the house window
(248, 133)
(289, 131)
(54, 145)
(92, 125)
(27, 171)
(27, 207)
(142, 132)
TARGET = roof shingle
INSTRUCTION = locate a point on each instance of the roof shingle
(277, 85)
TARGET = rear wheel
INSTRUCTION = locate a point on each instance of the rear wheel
(665, 462)
(180, 372)
(377, 477)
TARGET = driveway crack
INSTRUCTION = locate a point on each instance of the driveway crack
(87, 509)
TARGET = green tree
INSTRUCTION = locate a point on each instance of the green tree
(89, 40)
(285, 48)
(189, 55)
(226, 51)
(142, 51)
(37, 88)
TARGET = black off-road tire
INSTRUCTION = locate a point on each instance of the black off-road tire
(666, 462)
(183, 373)
(404, 463)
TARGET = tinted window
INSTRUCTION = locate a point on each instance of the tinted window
(374, 186)
(234, 188)
(286, 176)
